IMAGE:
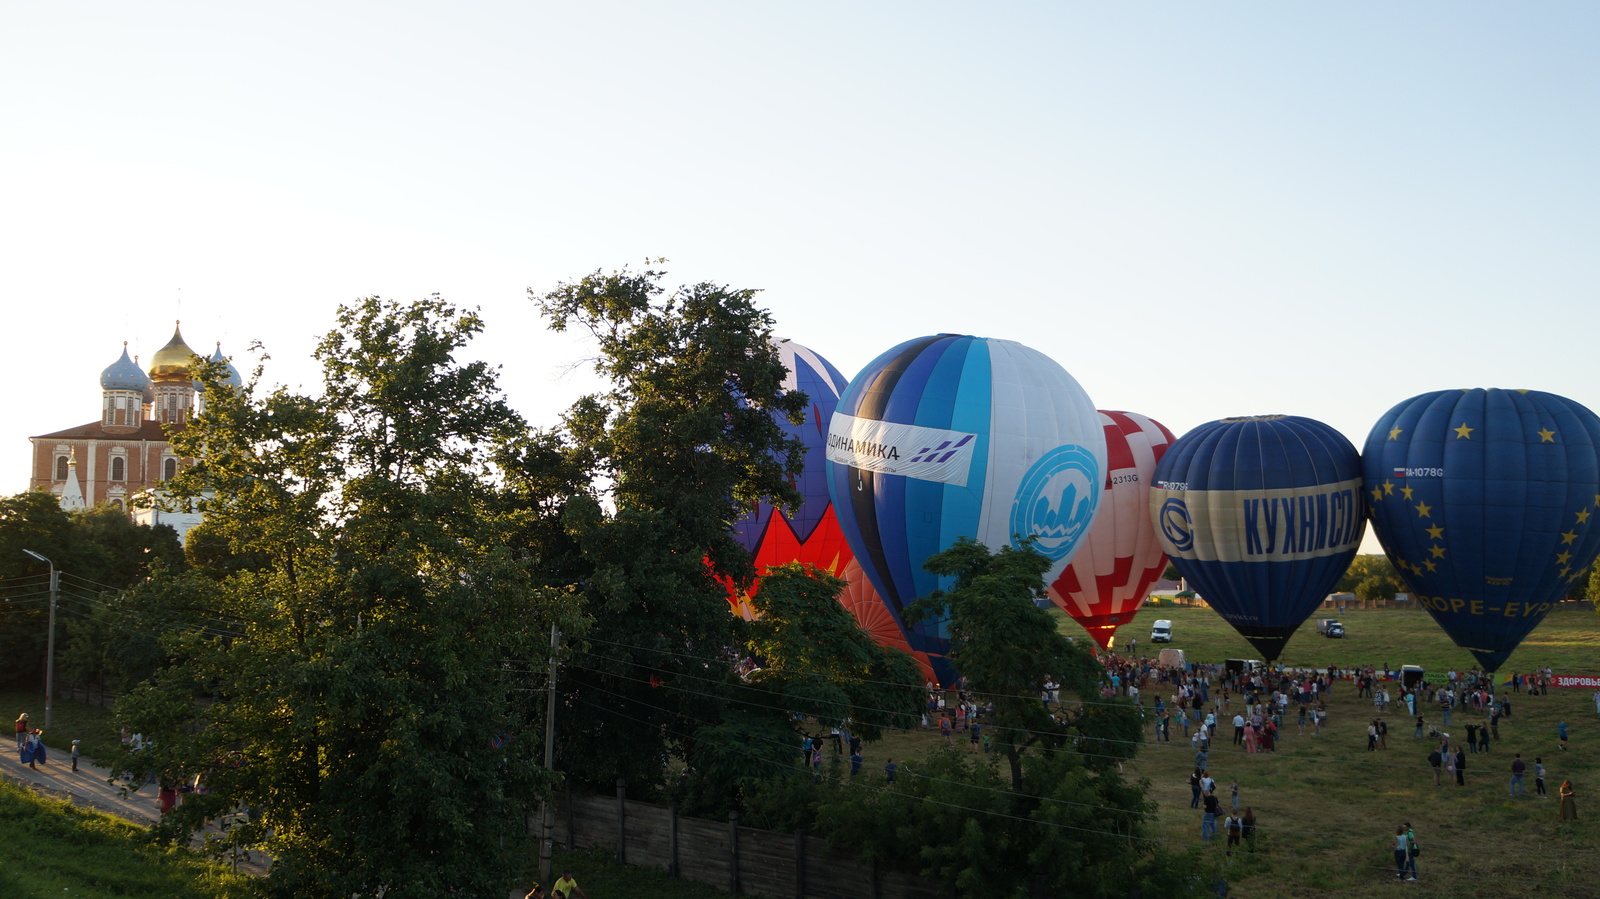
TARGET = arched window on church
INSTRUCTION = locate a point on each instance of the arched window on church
(61, 468)
(118, 503)
(119, 468)
(169, 468)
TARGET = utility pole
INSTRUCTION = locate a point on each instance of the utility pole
(50, 653)
(547, 820)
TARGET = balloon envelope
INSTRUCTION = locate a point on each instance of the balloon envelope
(810, 532)
(1484, 501)
(957, 436)
(1262, 515)
(1120, 558)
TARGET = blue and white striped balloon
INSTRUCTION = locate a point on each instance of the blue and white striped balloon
(954, 436)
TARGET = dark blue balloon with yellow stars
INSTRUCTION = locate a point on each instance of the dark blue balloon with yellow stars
(1486, 501)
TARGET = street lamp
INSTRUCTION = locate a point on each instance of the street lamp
(50, 653)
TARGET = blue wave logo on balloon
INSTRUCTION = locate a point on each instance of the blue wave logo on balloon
(1056, 500)
(1176, 525)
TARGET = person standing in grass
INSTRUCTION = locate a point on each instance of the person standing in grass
(566, 888)
(1517, 768)
(1208, 820)
(1569, 802)
(1561, 731)
(1538, 777)
(1402, 849)
(1436, 760)
(1412, 851)
(1461, 767)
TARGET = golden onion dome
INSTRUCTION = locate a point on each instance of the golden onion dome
(171, 362)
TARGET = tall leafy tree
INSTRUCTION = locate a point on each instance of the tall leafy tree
(1060, 820)
(1005, 645)
(817, 667)
(99, 553)
(368, 628)
(682, 442)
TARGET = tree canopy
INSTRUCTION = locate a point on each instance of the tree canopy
(369, 632)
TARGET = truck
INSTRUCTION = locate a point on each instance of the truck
(1161, 631)
(1330, 627)
(1244, 667)
(1172, 658)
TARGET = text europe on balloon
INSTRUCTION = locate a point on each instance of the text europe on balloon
(1486, 502)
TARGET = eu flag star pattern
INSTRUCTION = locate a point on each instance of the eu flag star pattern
(1483, 501)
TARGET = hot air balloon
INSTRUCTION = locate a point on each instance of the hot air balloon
(1262, 514)
(957, 436)
(1120, 558)
(1485, 501)
(810, 532)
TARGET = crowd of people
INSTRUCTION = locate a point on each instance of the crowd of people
(1257, 700)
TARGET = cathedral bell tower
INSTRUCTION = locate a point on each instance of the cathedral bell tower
(174, 388)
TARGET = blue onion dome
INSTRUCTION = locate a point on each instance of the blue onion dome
(233, 380)
(125, 374)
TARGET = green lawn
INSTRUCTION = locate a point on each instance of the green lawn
(1329, 808)
(49, 848)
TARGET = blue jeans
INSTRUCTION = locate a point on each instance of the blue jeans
(1208, 826)
(1516, 785)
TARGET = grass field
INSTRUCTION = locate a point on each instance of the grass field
(49, 848)
(1328, 808)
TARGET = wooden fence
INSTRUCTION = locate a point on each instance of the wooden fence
(727, 855)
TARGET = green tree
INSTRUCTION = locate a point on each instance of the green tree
(1061, 820)
(1371, 578)
(1008, 648)
(98, 552)
(364, 626)
(816, 663)
(681, 444)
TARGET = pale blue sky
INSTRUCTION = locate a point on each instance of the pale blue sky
(1200, 210)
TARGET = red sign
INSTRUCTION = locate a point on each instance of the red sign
(1576, 680)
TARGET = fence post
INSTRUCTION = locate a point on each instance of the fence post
(800, 864)
(672, 839)
(733, 852)
(622, 821)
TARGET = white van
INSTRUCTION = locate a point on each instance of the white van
(1161, 631)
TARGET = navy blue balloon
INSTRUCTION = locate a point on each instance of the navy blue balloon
(1262, 516)
(1485, 501)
